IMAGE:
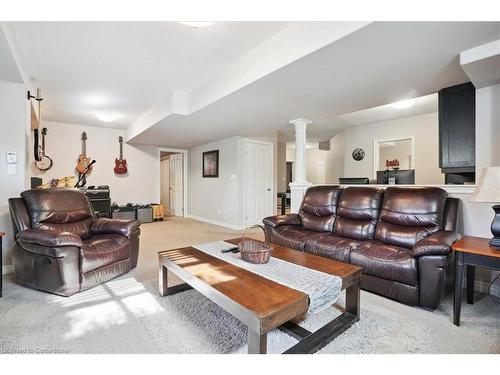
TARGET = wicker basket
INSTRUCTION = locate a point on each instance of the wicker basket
(254, 252)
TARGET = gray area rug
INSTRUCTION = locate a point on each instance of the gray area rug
(128, 316)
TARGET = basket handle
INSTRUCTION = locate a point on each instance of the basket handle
(256, 226)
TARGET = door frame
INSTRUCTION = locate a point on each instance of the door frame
(376, 151)
(184, 174)
(244, 179)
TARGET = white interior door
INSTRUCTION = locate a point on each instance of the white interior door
(165, 184)
(320, 172)
(259, 200)
(176, 188)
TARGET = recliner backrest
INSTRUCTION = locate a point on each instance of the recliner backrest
(410, 214)
(319, 208)
(357, 212)
(65, 210)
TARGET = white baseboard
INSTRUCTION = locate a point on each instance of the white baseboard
(7, 269)
(215, 222)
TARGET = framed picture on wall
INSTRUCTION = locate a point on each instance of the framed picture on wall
(211, 164)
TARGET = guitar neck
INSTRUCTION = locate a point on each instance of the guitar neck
(84, 147)
(43, 144)
(121, 150)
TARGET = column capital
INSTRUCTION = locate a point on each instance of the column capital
(300, 123)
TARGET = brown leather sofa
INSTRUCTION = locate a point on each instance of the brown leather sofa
(62, 248)
(401, 237)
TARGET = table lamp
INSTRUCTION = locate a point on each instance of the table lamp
(488, 190)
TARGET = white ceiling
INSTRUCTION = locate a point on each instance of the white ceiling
(127, 68)
(8, 67)
(381, 63)
(124, 68)
(421, 105)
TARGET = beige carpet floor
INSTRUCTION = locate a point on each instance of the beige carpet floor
(126, 315)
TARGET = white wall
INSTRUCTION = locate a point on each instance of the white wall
(487, 127)
(139, 185)
(216, 199)
(335, 159)
(13, 137)
(423, 128)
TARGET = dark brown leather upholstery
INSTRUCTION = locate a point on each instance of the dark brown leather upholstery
(331, 246)
(319, 207)
(292, 236)
(62, 248)
(385, 261)
(410, 214)
(357, 212)
(401, 237)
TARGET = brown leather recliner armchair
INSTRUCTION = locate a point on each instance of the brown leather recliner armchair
(400, 237)
(62, 248)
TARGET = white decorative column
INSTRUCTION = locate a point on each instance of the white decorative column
(299, 185)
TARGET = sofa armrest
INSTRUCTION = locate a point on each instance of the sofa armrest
(436, 244)
(276, 221)
(49, 238)
(123, 227)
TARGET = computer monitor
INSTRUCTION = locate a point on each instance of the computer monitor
(402, 176)
(354, 180)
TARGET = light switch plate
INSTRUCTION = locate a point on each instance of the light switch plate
(11, 157)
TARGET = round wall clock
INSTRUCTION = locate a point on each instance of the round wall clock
(358, 154)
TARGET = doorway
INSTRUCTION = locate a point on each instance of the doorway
(172, 183)
(259, 192)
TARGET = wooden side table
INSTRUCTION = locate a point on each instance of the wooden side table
(471, 252)
(1, 263)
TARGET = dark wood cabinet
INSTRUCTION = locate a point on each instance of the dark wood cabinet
(457, 129)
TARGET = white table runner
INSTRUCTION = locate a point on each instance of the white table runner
(323, 289)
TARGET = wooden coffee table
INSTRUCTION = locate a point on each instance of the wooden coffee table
(260, 303)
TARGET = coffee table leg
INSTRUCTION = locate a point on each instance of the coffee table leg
(459, 279)
(471, 271)
(257, 343)
(163, 281)
(352, 296)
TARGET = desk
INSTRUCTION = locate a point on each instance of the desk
(1, 262)
(471, 252)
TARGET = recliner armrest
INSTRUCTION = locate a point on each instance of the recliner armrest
(49, 238)
(436, 244)
(276, 221)
(116, 226)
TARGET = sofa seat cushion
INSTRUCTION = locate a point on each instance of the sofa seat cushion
(101, 250)
(331, 246)
(386, 261)
(292, 236)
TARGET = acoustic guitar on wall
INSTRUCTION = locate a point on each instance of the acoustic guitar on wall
(120, 164)
(83, 160)
(45, 162)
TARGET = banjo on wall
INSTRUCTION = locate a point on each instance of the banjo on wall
(45, 162)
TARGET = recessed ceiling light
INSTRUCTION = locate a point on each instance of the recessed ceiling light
(197, 24)
(105, 117)
(403, 104)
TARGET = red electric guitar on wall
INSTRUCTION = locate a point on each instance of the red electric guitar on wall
(120, 164)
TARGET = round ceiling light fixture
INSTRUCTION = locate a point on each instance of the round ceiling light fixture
(197, 24)
(105, 117)
(403, 104)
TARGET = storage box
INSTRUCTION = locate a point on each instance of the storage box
(144, 214)
(124, 213)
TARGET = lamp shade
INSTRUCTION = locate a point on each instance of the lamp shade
(488, 188)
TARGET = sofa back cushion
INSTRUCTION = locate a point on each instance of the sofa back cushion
(319, 208)
(410, 214)
(64, 210)
(357, 212)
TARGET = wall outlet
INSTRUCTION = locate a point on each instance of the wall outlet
(218, 212)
